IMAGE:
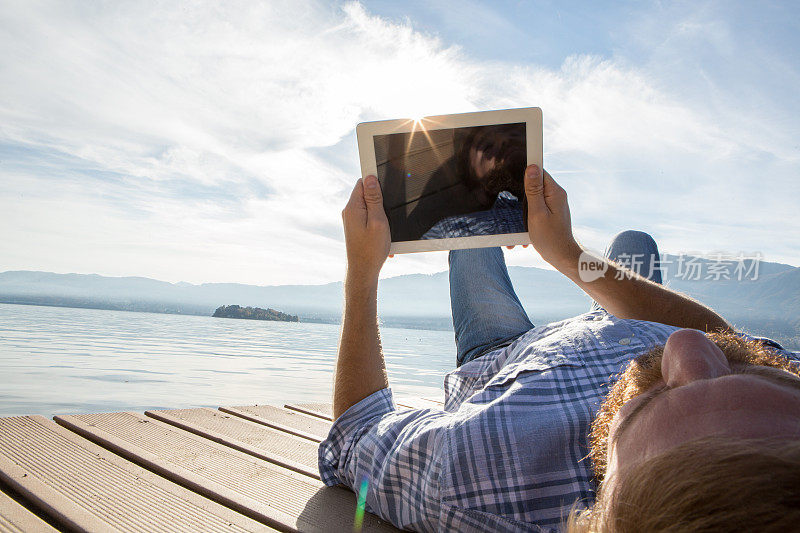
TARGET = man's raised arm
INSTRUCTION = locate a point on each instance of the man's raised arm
(360, 370)
(623, 294)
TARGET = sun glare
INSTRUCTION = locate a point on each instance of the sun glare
(421, 122)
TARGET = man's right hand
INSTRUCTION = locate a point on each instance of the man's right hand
(549, 223)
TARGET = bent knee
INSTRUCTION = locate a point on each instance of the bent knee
(636, 235)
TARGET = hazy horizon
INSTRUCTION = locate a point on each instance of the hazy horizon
(764, 300)
(178, 282)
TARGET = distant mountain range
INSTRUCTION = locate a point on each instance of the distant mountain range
(768, 305)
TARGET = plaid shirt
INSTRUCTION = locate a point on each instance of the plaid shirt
(509, 450)
(505, 216)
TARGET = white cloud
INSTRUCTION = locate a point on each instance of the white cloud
(215, 142)
(171, 97)
(635, 155)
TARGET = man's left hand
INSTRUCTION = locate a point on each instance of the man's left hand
(366, 230)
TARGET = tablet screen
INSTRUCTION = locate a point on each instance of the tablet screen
(456, 182)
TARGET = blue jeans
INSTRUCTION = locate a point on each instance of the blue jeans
(637, 251)
(487, 313)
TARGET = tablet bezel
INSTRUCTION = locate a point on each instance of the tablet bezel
(531, 116)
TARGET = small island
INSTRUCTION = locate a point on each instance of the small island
(253, 313)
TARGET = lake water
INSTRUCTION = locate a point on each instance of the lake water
(58, 360)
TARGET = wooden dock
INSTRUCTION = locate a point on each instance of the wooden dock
(242, 468)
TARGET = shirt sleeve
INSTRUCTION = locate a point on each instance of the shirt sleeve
(793, 356)
(397, 452)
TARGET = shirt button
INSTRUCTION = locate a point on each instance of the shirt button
(599, 317)
(625, 341)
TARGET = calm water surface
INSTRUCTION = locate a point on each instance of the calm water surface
(57, 360)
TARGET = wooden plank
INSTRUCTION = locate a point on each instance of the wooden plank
(83, 487)
(309, 427)
(261, 490)
(440, 401)
(41, 496)
(419, 403)
(14, 518)
(260, 441)
(323, 410)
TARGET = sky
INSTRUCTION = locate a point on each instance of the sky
(215, 141)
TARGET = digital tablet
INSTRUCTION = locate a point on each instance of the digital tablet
(453, 181)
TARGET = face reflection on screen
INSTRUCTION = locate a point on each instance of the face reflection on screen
(458, 182)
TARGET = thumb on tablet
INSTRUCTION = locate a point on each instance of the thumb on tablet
(373, 197)
(534, 189)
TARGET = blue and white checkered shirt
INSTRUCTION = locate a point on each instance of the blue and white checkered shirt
(509, 450)
(505, 216)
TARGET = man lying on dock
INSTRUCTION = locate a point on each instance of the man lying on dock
(647, 413)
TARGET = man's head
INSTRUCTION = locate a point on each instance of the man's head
(694, 434)
(492, 159)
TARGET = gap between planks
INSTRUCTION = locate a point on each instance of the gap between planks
(272, 494)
